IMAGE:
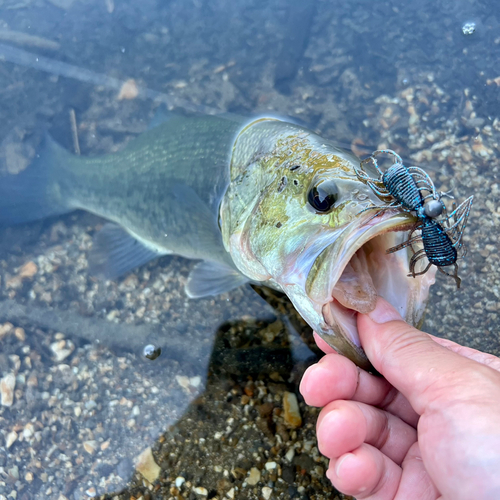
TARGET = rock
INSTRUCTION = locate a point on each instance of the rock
(91, 492)
(292, 412)
(14, 472)
(267, 492)
(253, 476)
(129, 90)
(62, 349)
(90, 446)
(179, 481)
(199, 490)
(5, 329)
(20, 334)
(28, 270)
(29, 431)
(7, 385)
(10, 439)
(265, 409)
(147, 466)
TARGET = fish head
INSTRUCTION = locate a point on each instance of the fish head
(296, 217)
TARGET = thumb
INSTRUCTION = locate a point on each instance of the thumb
(408, 358)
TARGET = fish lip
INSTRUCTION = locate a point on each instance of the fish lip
(348, 242)
(338, 254)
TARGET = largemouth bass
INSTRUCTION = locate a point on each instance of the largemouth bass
(265, 201)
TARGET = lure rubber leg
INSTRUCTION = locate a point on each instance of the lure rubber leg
(413, 262)
(380, 210)
(454, 275)
(407, 243)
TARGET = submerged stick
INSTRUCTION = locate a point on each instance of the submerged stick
(74, 131)
(20, 38)
(55, 67)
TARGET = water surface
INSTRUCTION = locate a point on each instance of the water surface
(419, 77)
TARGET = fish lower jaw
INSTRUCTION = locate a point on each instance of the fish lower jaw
(368, 273)
(340, 318)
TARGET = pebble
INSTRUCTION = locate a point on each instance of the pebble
(20, 334)
(292, 412)
(265, 409)
(10, 439)
(183, 381)
(90, 446)
(267, 492)
(29, 430)
(7, 385)
(147, 466)
(253, 476)
(199, 490)
(179, 481)
(129, 90)
(14, 472)
(271, 465)
(62, 349)
(28, 270)
(5, 329)
(91, 492)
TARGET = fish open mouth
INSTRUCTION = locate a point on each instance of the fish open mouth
(349, 275)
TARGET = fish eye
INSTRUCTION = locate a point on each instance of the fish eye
(323, 196)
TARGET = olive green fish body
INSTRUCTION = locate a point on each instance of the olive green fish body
(164, 187)
(264, 201)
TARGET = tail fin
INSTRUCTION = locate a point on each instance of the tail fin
(34, 193)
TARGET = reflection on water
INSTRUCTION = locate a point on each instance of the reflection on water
(214, 415)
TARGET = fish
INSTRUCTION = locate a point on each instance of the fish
(262, 201)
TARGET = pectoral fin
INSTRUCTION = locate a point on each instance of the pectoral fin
(115, 252)
(212, 278)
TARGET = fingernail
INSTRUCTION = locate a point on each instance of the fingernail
(384, 312)
(341, 462)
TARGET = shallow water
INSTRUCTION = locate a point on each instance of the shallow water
(86, 403)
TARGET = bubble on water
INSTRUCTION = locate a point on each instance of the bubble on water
(469, 28)
(151, 351)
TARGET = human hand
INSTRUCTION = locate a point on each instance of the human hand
(429, 430)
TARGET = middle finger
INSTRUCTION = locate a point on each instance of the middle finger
(344, 426)
(336, 377)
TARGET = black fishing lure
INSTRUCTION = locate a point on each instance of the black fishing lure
(412, 190)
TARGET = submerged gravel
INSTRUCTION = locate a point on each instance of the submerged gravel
(82, 413)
